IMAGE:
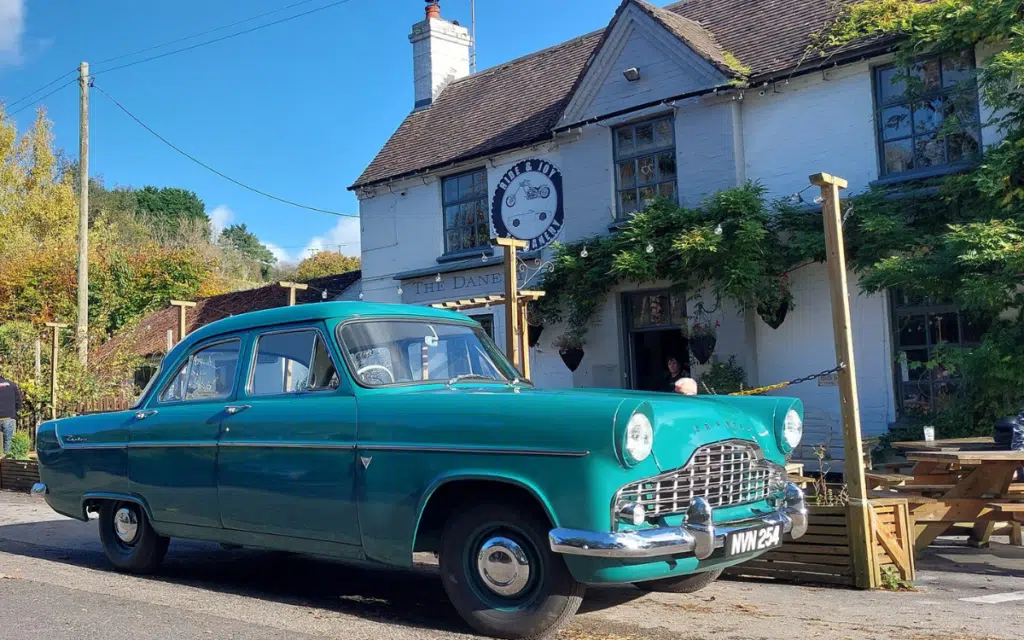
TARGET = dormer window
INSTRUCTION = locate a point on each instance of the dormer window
(645, 164)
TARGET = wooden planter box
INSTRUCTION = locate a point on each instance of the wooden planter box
(18, 475)
(822, 555)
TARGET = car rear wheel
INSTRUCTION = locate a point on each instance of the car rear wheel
(685, 584)
(501, 575)
(129, 541)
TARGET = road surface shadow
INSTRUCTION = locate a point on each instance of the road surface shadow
(953, 554)
(408, 597)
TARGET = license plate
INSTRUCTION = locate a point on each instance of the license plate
(753, 540)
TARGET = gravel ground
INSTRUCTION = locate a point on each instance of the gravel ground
(55, 585)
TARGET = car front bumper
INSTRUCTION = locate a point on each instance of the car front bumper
(698, 536)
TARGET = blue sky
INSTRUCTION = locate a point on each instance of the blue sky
(297, 109)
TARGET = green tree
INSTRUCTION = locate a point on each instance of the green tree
(170, 207)
(238, 237)
(325, 263)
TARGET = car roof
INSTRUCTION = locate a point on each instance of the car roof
(343, 310)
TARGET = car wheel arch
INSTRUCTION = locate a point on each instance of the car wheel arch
(94, 499)
(428, 520)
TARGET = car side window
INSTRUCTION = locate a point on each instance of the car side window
(209, 374)
(292, 362)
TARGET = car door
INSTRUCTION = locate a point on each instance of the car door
(172, 450)
(287, 456)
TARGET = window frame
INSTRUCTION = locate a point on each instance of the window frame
(635, 156)
(925, 308)
(460, 201)
(353, 373)
(878, 106)
(173, 373)
(251, 376)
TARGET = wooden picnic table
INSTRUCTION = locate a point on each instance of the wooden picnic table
(969, 485)
(952, 444)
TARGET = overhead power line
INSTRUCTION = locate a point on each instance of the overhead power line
(212, 170)
(45, 86)
(203, 33)
(222, 38)
(43, 97)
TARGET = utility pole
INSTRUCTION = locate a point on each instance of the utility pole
(82, 334)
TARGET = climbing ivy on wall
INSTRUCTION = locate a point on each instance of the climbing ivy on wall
(958, 238)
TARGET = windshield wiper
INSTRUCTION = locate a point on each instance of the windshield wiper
(467, 376)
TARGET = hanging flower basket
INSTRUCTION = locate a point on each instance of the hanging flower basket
(570, 348)
(703, 346)
(773, 317)
(774, 306)
(533, 334)
(572, 357)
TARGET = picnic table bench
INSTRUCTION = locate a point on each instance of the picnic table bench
(965, 481)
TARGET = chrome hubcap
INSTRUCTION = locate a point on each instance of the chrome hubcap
(126, 525)
(503, 567)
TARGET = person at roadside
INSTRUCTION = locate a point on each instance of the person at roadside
(10, 405)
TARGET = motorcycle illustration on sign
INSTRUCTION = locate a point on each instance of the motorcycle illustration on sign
(532, 193)
(527, 203)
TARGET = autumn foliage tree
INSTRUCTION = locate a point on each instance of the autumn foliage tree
(325, 263)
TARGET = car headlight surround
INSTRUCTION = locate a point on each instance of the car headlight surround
(791, 430)
(638, 441)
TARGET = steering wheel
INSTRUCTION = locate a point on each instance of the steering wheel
(376, 367)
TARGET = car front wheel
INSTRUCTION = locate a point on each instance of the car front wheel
(129, 541)
(685, 584)
(501, 575)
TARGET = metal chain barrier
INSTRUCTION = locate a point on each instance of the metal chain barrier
(761, 390)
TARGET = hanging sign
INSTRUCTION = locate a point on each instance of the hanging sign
(527, 203)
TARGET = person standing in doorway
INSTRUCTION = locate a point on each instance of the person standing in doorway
(674, 372)
(10, 405)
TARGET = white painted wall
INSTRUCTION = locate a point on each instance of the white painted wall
(812, 125)
(804, 344)
(667, 68)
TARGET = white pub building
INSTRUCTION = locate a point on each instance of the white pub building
(566, 143)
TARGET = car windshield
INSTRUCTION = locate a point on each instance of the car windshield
(392, 352)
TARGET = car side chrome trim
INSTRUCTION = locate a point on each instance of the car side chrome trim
(273, 444)
(495, 451)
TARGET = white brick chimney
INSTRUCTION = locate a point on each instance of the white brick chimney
(440, 54)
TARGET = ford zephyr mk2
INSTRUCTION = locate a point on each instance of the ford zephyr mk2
(368, 432)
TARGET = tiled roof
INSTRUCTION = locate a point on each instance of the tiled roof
(520, 102)
(149, 336)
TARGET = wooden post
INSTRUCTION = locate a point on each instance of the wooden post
(182, 310)
(292, 286)
(82, 332)
(170, 340)
(56, 326)
(524, 339)
(512, 315)
(39, 361)
(858, 511)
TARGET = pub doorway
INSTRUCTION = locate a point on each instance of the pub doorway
(654, 325)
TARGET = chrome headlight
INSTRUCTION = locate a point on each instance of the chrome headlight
(792, 430)
(639, 438)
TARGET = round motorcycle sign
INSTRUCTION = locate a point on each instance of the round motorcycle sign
(527, 203)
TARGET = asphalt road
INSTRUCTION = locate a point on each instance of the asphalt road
(55, 585)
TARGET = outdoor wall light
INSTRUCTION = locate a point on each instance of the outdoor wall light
(632, 74)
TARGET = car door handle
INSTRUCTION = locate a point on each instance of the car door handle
(142, 415)
(236, 408)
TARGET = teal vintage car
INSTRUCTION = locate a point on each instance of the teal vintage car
(369, 432)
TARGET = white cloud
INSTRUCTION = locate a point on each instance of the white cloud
(279, 253)
(12, 28)
(220, 217)
(343, 238)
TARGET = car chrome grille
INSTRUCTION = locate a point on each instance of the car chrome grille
(723, 473)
